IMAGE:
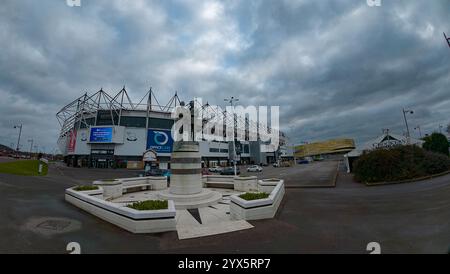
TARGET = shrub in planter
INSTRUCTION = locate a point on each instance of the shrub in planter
(150, 205)
(399, 163)
(85, 188)
(250, 196)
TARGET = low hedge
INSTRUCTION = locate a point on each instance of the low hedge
(250, 196)
(150, 205)
(85, 188)
(399, 163)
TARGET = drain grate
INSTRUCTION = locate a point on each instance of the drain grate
(55, 225)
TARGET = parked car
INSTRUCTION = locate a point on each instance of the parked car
(254, 168)
(230, 171)
(167, 173)
(275, 165)
(205, 171)
(215, 169)
(154, 172)
(318, 158)
(303, 162)
(157, 172)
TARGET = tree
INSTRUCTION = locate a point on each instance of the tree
(437, 142)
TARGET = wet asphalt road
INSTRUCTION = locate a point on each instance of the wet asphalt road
(316, 174)
(408, 218)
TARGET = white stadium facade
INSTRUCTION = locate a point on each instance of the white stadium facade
(105, 131)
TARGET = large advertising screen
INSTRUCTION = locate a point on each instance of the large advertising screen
(101, 135)
(160, 141)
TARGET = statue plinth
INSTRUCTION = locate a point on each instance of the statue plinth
(186, 169)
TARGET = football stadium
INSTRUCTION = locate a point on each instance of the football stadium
(112, 131)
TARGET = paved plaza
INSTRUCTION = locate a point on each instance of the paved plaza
(406, 218)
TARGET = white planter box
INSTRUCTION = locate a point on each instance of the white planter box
(241, 209)
(246, 184)
(111, 189)
(135, 221)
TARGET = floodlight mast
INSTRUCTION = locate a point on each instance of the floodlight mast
(447, 39)
(232, 100)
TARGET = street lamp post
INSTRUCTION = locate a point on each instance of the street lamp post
(405, 111)
(20, 134)
(440, 128)
(31, 146)
(231, 101)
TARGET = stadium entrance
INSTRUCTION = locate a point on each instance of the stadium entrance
(102, 158)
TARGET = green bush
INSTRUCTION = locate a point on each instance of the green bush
(436, 142)
(249, 196)
(85, 188)
(400, 163)
(150, 205)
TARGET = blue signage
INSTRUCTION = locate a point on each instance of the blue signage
(160, 141)
(101, 135)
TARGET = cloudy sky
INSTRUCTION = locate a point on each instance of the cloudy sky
(336, 68)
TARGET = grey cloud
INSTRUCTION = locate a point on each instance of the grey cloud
(336, 68)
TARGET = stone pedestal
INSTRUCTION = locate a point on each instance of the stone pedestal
(186, 168)
(186, 183)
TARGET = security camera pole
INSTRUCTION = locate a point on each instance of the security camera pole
(231, 101)
(20, 134)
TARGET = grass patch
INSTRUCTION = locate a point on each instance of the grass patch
(150, 205)
(24, 168)
(250, 196)
(85, 188)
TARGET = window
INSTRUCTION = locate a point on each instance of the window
(128, 121)
(159, 123)
(214, 150)
(246, 149)
(104, 118)
(88, 121)
(224, 151)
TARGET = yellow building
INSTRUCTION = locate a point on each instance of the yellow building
(336, 146)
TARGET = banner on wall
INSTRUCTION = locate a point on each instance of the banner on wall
(72, 141)
(160, 141)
